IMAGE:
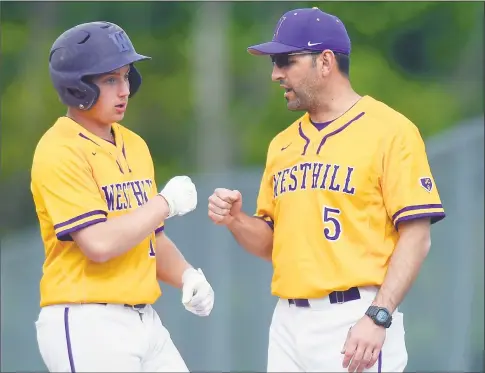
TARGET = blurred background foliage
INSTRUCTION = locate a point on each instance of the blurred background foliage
(208, 109)
(421, 58)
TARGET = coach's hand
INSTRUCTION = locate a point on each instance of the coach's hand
(224, 205)
(197, 294)
(363, 345)
(180, 194)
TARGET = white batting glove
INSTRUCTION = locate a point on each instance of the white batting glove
(197, 294)
(180, 194)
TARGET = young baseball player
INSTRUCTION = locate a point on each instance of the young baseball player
(102, 219)
(344, 209)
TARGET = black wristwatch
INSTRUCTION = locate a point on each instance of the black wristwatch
(380, 315)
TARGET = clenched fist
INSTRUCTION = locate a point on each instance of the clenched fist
(180, 194)
(224, 205)
(197, 293)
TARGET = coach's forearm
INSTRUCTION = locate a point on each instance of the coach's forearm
(104, 241)
(253, 234)
(411, 250)
(171, 264)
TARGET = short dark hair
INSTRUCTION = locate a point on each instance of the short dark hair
(343, 62)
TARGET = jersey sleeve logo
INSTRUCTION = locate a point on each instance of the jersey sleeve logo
(426, 183)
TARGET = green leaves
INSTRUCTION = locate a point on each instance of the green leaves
(406, 54)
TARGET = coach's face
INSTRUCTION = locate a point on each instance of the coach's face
(302, 76)
(114, 89)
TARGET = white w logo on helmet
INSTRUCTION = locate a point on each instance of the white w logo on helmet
(121, 41)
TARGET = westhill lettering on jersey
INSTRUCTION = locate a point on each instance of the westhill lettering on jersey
(313, 176)
(346, 190)
(101, 219)
(120, 196)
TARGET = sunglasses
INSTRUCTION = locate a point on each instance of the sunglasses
(283, 60)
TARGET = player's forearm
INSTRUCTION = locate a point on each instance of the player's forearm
(104, 241)
(253, 234)
(409, 254)
(171, 264)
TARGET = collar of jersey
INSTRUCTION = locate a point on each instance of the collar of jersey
(76, 129)
(310, 130)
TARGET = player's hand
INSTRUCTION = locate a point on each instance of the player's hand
(224, 205)
(181, 195)
(197, 294)
(363, 345)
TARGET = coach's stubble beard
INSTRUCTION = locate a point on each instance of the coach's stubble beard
(293, 104)
(300, 102)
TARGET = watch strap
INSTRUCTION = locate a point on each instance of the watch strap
(372, 312)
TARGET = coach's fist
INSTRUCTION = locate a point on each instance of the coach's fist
(224, 205)
(181, 195)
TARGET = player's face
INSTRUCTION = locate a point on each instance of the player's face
(298, 76)
(114, 89)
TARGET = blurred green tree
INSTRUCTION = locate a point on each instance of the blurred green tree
(407, 54)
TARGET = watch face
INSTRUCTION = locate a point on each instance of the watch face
(381, 316)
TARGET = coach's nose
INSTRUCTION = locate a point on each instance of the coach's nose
(277, 73)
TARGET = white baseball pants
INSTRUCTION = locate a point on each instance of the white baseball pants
(105, 338)
(311, 339)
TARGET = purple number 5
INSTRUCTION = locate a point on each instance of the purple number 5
(332, 228)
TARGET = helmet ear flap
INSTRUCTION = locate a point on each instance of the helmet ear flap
(134, 78)
(82, 95)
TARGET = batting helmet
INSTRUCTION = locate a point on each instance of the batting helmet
(90, 49)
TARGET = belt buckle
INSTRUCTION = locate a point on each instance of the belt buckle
(343, 297)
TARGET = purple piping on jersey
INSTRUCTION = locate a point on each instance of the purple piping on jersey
(379, 363)
(304, 137)
(270, 222)
(338, 130)
(159, 229)
(124, 154)
(321, 126)
(87, 138)
(68, 339)
(417, 207)
(66, 235)
(119, 166)
(434, 216)
(80, 217)
(111, 142)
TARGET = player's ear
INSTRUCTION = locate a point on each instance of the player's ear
(327, 62)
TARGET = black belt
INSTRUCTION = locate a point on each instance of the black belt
(334, 297)
(135, 306)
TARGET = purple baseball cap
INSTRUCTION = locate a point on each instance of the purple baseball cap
(307, 29)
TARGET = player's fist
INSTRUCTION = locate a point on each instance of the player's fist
(180, 194)
(224, 205)
(197, 294)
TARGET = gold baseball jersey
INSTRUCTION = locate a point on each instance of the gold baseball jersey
(335, 195)
(80, 179)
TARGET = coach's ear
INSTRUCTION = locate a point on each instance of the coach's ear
(326, 62)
